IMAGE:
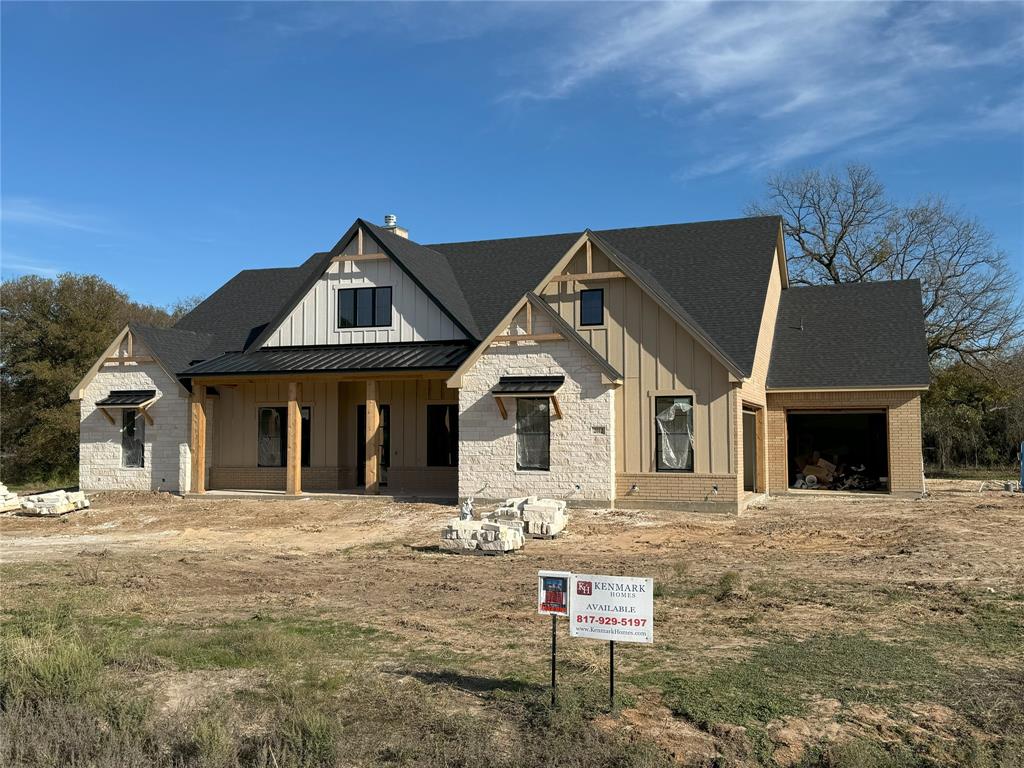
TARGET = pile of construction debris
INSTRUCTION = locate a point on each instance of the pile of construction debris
(816, 472)
(540, 518)
(44, 504)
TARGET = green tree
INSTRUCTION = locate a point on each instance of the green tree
(51, 332)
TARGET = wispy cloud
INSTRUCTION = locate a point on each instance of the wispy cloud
(12, 264)
(760, 85)
(20, 210)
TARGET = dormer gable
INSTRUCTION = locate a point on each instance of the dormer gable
(363, 296)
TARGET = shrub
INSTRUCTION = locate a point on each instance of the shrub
(729, 586)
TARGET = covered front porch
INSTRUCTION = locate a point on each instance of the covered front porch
(374, 432)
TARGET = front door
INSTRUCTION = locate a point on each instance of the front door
(749, 451)
(385, 443)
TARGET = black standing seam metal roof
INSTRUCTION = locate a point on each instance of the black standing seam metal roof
(337, 358)
(540, 385)
(127, 397)
(850, 335)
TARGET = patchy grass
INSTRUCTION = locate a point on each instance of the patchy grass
(60, 705)
(780, 677)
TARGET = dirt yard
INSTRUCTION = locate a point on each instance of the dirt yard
(815, 630)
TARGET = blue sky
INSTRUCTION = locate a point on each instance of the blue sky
(168, 146)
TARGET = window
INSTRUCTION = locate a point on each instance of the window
(133, 438)
(443, 435)
(273, 436)
(364, 307)
(592, 306)
(673, 422)
(533, 433)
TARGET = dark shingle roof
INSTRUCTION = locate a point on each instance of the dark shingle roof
(850, 335)
(434, 274)
(237, 312)
(495, 274)
(425, 355)
(715, 271)
(713, 274)
(174, 347)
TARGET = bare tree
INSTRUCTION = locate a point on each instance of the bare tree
(841, 227)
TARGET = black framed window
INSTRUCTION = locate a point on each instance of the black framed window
(364, 307)
(533, 433)
(443, 435)
(592, 306)
(272, 433)
(133, 438)
(673, 433)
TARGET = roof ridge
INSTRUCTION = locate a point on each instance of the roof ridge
(577, 233)
(859, 283)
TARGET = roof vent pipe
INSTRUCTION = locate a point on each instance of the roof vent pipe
(391, 224)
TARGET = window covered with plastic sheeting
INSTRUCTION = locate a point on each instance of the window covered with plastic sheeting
(673, 421)
(533, 433)
(133, 438)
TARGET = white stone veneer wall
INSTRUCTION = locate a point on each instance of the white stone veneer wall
(487, 444)
(167, 458)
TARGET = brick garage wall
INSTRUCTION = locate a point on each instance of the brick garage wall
(903, 423)
(487, 443)
(672, 490)
(167, 459)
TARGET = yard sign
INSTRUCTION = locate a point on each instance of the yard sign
(614, 608)
(553, 592)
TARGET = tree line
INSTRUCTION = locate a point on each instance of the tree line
(840, 225)
(51, 333)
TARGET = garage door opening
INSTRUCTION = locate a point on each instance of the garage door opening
(839, 451)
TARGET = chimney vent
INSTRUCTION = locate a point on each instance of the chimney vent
(391, 224)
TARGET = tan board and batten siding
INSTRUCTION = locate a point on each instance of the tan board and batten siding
(415, 315)
(655, 356)
(333, 407)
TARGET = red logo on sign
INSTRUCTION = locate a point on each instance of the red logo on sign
(584, 588)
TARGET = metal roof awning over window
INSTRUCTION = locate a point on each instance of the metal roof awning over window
(423, 355)
(512, 386)
(127, 398)
(528, 386)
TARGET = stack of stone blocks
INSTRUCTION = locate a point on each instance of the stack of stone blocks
(9, 500)
(54, 503)
(481, 536)
(539, 517)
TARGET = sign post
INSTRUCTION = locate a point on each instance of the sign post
(612, 608)
(553, 599)
(611, 675)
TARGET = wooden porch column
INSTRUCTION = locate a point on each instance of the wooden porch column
(293, 472)
(372, 438)
(198, 438)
